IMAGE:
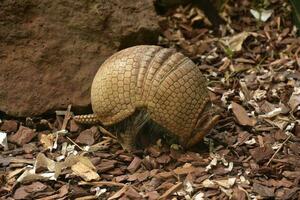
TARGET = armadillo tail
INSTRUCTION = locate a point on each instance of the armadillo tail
(86, 119)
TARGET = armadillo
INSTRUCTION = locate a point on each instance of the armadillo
(151, 84)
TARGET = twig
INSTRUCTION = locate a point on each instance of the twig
(170, 191)
(279, 149)
(106, 132)
(101, 183)
(67, 118)
(13, 151)
(87, 197)
(119, 193)
(75, 144)
(21, 160)
(106, 183)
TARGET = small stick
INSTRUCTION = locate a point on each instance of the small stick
(119, 193)
(107, 183)
(75, 144)
(279, 149)
(13, 151)
(101, 183)
(87, 197)
(67, 118)
(170, 191)
(106, 132)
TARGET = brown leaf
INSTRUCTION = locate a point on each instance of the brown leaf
(106, 166)
(73, 126)
(63, 191)
(261, 154)
(47, 140)
(291, 174)
(234, 43)
(239, 194)
(241, 115)
(243, 136)
(291, 193)
(85, 172)
(297, 130)
(24, 192)
(280, 135)
(295, 148)
(154, 151)
(22, 136)
(9, 126)
(29, 148)
(263, 190)
(294, 101)
(88, 136)
(163, 159)
(280, 183)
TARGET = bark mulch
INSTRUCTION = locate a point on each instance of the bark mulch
(253, 68)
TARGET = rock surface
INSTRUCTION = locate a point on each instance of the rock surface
(50, 50)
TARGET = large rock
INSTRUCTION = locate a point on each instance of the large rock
(50, 50)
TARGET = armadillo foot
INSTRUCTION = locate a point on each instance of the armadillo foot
(128, 129)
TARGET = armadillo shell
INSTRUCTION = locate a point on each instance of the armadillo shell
(164, 82)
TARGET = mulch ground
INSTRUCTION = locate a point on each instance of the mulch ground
(253, 69)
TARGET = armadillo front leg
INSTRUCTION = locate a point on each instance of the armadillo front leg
(206, 121)
(202, 131)
(128, 129)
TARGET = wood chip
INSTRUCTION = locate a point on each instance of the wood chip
(170, 191)
(134, 165)
(241, 115)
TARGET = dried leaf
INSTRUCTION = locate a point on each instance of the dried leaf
(47, 140)
(234, 43)
(3, 140)
(85, 171)
(88, 136)
(263, 190)
(25, 192)
(9, 126)
(294, 101)
(22, 136)
(262, 14)
(241, 115)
